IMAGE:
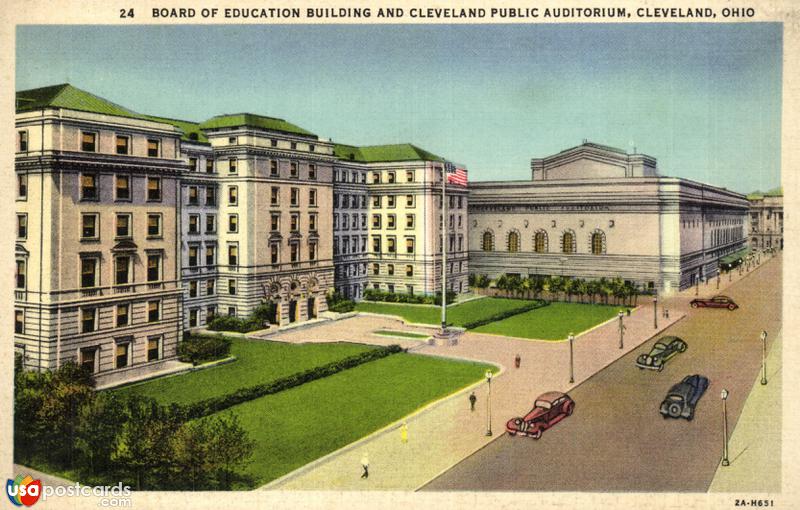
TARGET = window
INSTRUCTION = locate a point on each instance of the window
(390, 221)
(598, 243)
(123, 145)
(209, 166)
(19, 322)
(153, 148)
(233, 255)
(153, 225)
(391, 244)
(193, 196)
(89, 187)
(193, 164)
(312, 170)
(211, 258)
(233, 223)
(376, 269)
(88, 320)
(487, 243)
(232, 165)
(153, 267)
(123, 225)
(122, 187)
(295, 223)
(294, 252)
(293, 145)
(410, 176)
(312, 222)
(23, 141)
(231, 311)
(22, 186)
(390, 269)
(211, 312)
(390, 177)
(210, 287)
(153, 344)
(275, 222)
(312, 250)
(211, 195)
(376, 178)
(153, 311)
(232, 140)
(192, 256)
(312, 197)
(22, 226)
(294, 197)
(233, 195)
(293, 169)
(409, 245)
(409, 200)
(391, 200)
(194, 223)
(409, 221)
(513, 241)
(193, 317)
(376, 244)
(232, 287)
(193, 288)
(376, 202)
(273, 142)
(121, 352)
(311, 147)
(153, 189)
(274, 196)
(20, 274)
(409, 271)
(376, 221)
(89, 226)
(568, 242)
(122, 270)
(274, 253)
(88, 141)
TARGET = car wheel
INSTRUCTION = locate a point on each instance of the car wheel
(690, 417)
(512, 433)
(536, 434)
(695, 305)
(682, 347)
(661, 367)
(731, 307)
(569, 409)
(674, 410)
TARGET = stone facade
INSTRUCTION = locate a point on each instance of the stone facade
(766, 222)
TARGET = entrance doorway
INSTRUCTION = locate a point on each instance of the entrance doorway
(311, 306)
(292, 311)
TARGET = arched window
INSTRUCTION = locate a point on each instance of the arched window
(568, 242)
(598, 242)
(540, 242)
(513, 241)
(487, 243)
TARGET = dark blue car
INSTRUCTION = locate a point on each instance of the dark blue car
(683, 397)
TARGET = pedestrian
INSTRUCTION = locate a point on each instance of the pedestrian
(666, 313)
(472, 400)
(517, 360)
(365, 466)
(404, 433)
(629, 312)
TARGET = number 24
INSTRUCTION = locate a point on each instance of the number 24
(126, 13)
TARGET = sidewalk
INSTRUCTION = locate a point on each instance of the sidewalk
(445, 433)
(755, 444)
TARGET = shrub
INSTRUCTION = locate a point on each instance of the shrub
(197, 349)
(340, 304)
(392, 297)
(506, 314)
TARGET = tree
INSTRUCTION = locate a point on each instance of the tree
(555, 284)
(538, 286)
(525, 286)
(99, 423)
(502, 282)
(569, 288)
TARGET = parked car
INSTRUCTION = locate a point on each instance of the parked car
(682, 398)
(663, 350)
(715, 302)
(549, 409)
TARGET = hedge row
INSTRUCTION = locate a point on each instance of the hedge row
(196, 349)
(506, 314)
(215, 404)
(421, 299)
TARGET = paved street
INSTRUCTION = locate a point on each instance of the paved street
(616, 440)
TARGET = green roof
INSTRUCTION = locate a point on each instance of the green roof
(69, 97)
(191, 130)
(384, 153)
(777, 192)
(255, 121)
(733, 257)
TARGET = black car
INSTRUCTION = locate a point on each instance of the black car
(662, 351)
(682, 398)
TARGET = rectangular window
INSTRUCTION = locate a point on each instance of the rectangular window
(122, 187)
(209, 166)
(410, 176)
(233, 255)
(153, 148)
(89, 187)
(19, 322)
(233, 223)
(193, 318)
(312, 197)
(211, 258)
(211, 312)
(274, 253)
(232, 140)
(376, 221)
(194, 223)
(123, 226)
(210, 289)
(311, 147)
(293, 169)
(193, 164)
(376, 202)
(233, 195)
(295, 252)
(153, 189)
(192, 256)
(193, 288)
(391, 245)
(295, 223)
(153, 268)
(153, 225)
(22, 186)
(391, 200)
(273, 168)
(274, 196)
(376, 244)
(376, 269)
(294, 197)
(293, 145)
(193, 195)
(88, 320)
(89, 272)
(89, 226)
(22, 226)
(391, 177)
(312, 171)
(23, 141)
(123, 315)
(390, 269)
(88, 141)
(409, 246)
(153, 344)
(376, 178)
(123, 145)
(232, 287)
(232, 165)
(153, 311)
(409, 221)
(273, 142)
(409, 270)
(390, 221)
(409, 200)
(211, 195)
(275, 222)
(312, 222)
(312, 251)
(122, 270)
(20, 274)
(121, 352)
(231, 311)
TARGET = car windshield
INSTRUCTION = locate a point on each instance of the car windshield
(659, 347)
(676, 398)
(543, 404)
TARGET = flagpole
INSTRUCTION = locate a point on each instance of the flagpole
(444, 248)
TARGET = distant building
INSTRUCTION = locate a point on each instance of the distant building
(766, 220)
(594, 211)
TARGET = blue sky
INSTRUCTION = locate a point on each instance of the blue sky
(705, 99)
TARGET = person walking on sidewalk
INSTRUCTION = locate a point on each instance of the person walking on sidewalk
(472, 400)
(517, 360)
(404, 433)
(365, 466)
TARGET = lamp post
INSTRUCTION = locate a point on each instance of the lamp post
(655, 312)
(725, 461)
(697, 286)
(719, 275)
(489, 403)
(763, 357)
(571, 359)
(621, 329)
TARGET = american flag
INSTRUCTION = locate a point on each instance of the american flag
(456, 175)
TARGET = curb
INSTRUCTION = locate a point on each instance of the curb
(184, 370)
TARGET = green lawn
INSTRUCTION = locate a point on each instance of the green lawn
(552, 322)
(404, 334)
(294, 427)
(457, 315)
(257, 362)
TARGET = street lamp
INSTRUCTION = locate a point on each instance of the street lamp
(571, 359)
(697, 287)
(655, 312)
(719, 275)
(489, 404)
(725, 461)
(621, 329)
(763, 357)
